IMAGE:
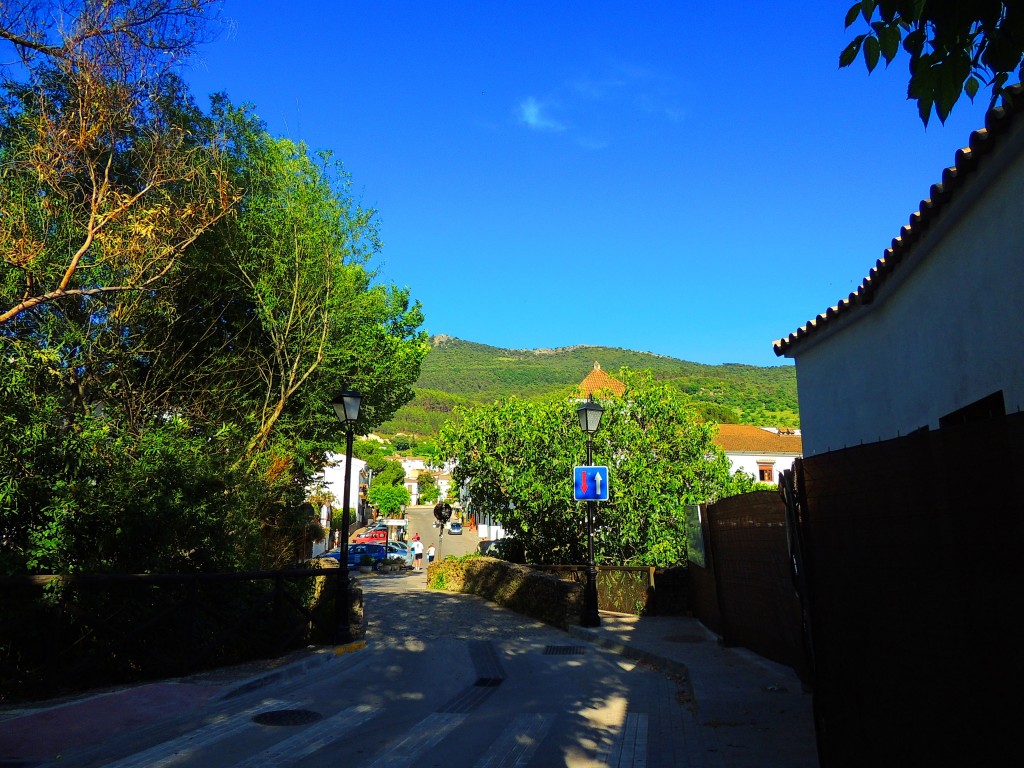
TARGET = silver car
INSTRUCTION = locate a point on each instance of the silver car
(400, 550)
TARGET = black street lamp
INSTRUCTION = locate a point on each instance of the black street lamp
(590, 419)
(346, 405)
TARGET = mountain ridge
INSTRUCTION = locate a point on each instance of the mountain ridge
(457, 372)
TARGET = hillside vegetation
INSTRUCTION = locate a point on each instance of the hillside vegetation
(457, 372)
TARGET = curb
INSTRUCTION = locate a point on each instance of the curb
(663, 663)
(318, 658)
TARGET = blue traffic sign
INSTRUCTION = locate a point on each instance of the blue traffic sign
(590, 483)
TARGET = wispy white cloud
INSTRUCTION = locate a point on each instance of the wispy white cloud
(532, 114)
(596, 110)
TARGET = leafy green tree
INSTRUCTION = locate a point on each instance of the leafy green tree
(428, 491)
(389, 473)
(101, 189)
(518, 457)
(954, 47)
(176, 427)
(369, 449)
(389, 499)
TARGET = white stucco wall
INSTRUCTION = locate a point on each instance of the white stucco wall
(750, 463)
(941, 334)
(334, 479)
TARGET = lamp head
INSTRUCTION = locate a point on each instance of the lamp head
(346, 405)
(590, 416)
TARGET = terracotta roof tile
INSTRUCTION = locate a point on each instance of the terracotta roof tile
(598, 381)
(997, 122)
(737, 438)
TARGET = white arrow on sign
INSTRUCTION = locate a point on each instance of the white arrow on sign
(597, 482)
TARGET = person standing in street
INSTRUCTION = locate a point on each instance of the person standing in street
(417, 551)
(430, 555)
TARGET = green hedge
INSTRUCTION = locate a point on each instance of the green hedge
(521, 589)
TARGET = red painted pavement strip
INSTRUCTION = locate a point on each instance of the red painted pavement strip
(49, 733)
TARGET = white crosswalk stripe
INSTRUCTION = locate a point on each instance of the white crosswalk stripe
(167, 753)
(515, 746)
(310, 740)
(426, 734)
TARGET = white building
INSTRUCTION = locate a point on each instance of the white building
(334, 480)
(933, 333)
(761, 452)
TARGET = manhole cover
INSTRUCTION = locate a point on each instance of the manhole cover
(684, 638)
(287, 717)
(563, 650)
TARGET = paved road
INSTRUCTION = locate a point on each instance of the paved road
(445, 680)
(421, 520)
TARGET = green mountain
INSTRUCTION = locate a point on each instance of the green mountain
(457, 372)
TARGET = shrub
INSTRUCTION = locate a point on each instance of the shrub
(521, 589)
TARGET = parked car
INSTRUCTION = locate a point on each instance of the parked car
(371, 535)
(398, 549)
(455, 528)
(328, 559)
(355, 553)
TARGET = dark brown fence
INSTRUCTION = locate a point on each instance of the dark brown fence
(65, 633)
(758, 606)
(912, 554)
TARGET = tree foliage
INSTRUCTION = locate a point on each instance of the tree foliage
(518, 457)
(183, 294)
(427, 490)
(101, 187)
(389, 499)
(954, 47)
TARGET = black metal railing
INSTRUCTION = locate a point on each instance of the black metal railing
(66, 633)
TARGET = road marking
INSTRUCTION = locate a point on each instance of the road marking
(425, 734)
(310, 740)
(515, 746)
(168, 752)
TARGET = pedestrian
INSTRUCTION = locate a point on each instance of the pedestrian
(417, 551)
(430, 555)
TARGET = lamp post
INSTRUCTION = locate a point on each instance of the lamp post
(346, 406)
(590, 419)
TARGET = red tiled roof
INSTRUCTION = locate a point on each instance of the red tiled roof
(597, 382)
(997, 122)
(738, 438)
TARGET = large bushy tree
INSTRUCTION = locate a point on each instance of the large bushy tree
(102, 188)
(167, 402)
(518, 457)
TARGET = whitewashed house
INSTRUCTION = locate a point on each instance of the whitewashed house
(334, 480)
(761, 452)
(934, 333)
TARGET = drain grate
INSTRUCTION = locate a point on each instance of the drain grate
(287, 717)
(563, 650)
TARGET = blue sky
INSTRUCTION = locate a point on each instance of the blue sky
(691, 179)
